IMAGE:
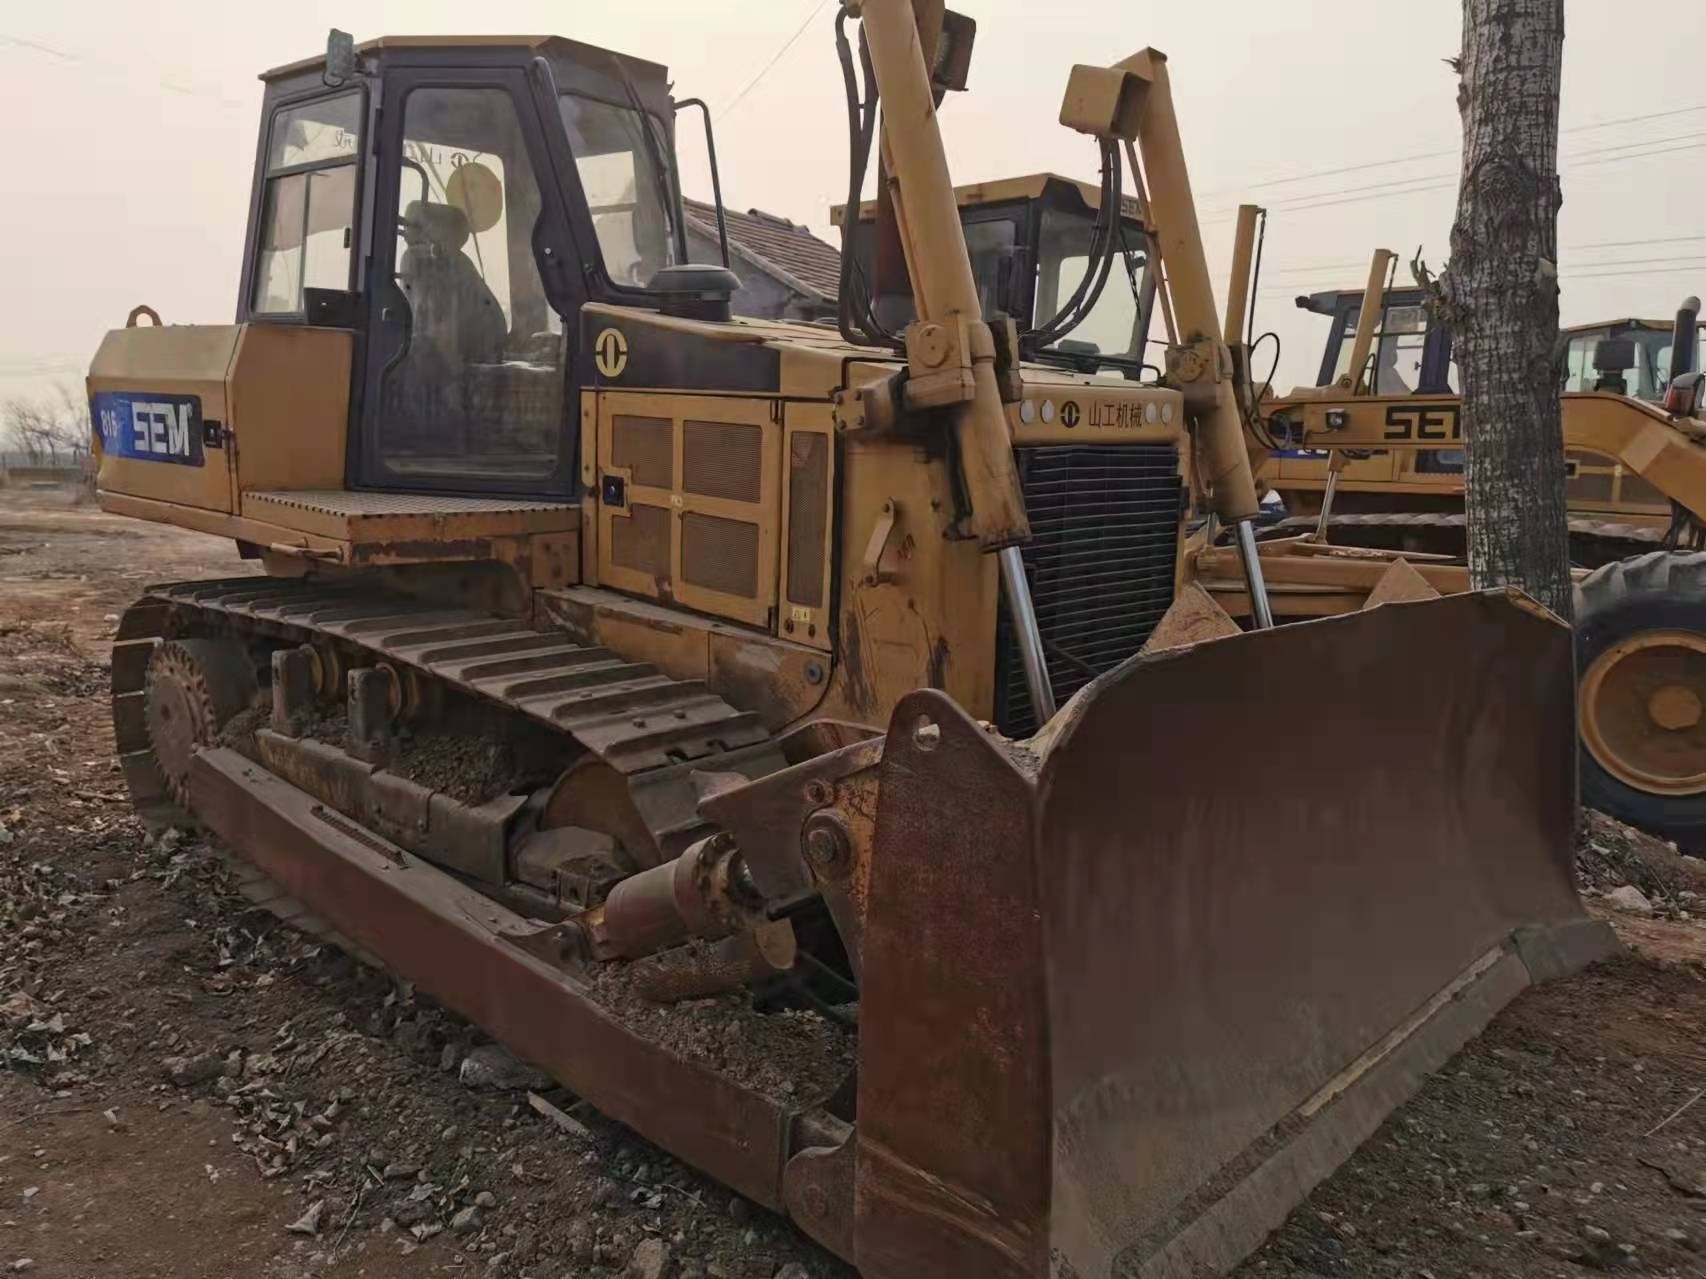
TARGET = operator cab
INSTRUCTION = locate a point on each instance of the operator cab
(1410, 354)
(1413, 355)
(1030, 241)
(456, 202)
(1639, 360)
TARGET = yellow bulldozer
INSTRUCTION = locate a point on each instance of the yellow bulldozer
(637, 680)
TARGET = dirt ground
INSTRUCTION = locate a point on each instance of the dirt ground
(191, 1090)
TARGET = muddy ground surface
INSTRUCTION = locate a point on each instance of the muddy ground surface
(189, 1089)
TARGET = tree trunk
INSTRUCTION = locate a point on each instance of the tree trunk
(1498, 297)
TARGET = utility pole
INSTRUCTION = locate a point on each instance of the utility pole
(1498, 296)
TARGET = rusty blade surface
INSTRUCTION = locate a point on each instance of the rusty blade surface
(1261, 856)
(952, 1170)
(1133, 987)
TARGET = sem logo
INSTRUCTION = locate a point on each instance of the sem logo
(149, 427)
(160, 429)
(610, 353)
(1435, 423)
(1069, 414)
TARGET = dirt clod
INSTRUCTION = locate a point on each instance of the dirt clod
(651, 1260)
(1628, 897)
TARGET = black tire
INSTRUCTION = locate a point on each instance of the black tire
(1660, 590)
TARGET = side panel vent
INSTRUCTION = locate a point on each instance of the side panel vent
(689, 494)
(645, 446)
(808, 516)
(641, 542)
(719, 555)
(723, 459)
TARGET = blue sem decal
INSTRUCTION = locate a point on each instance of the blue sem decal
(149, 426)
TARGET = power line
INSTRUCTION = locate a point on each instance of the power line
(1629, 244)
(1644, 142)
(1443, 181)
(1641, 155)
(70, 55)
(1314, 266)
(1589, 271)
(776, 57)
(1435, 155)
(1673, 260)
(1633, 119)
(1648, 270)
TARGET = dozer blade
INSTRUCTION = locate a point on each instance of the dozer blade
(1132, 988)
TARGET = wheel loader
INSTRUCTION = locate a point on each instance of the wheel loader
(810, 746)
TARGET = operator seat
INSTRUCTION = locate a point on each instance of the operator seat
(455, 326)
(455, 315)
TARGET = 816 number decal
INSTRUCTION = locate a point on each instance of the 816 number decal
(1435, 423)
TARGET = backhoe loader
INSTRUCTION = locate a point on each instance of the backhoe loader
(1372, 461)
(648, 684)
(1412, 499)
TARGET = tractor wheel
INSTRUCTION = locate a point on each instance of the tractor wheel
(1641, 693)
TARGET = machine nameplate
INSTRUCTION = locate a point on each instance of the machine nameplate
(149, 426)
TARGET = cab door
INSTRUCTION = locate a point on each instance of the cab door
(465, 384)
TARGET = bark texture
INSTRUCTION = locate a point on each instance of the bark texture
(1498, 296)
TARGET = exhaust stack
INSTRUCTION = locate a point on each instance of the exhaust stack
(1684, 345)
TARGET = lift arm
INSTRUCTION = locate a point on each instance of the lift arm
(1134, 100)
(950, 350)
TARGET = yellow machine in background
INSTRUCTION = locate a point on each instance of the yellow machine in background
(612, 651)
(1371, 463)
(1411, 498)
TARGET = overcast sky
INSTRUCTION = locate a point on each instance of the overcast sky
(131, 133)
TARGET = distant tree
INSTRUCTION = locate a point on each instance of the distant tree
(1498, 296)
(49, 430)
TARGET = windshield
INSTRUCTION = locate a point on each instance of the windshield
(1651, 374)
(1063, 256)
(1397, 355)
(993, 244)
(622, 171)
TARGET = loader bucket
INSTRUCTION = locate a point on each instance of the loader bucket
(1132, 988)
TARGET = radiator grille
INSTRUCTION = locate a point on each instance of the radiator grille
(1104, 539)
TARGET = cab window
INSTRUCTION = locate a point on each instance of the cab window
(477, 393)
(1063, 257)
(619, 155)
(1397, 352)
(308, 203)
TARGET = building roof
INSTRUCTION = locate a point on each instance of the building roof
(775, 246)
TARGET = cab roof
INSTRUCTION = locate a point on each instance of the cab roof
(1032, 186)
(551, 46)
